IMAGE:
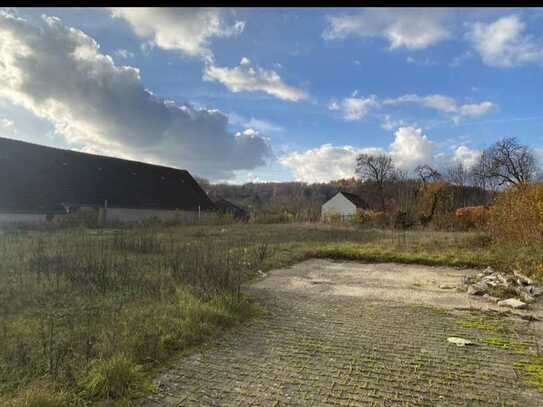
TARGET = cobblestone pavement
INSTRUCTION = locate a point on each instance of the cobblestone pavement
(315, 350)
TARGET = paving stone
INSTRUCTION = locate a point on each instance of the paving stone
(310, 350)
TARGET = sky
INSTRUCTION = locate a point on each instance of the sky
(273, 94)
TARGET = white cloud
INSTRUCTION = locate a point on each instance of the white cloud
(467, 156)
(328, 162)
(58, 73)
(411, 148)
(264, 126)
(186, 29)
(420, 61)
(354, 108)
(7, 124)
(476, 109)
(503, 43)
(409, 28)
(446, 104)
(325, 163)
(123, 53)
(245, 78)
(388, 123)
(7, 128)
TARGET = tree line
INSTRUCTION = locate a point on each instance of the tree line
(417, 195)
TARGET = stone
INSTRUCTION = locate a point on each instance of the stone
(491, 298)
(459, 341)
(447, 287)
(488, 270)
(477, 289)
(512, 303)
(522, 278)
(527, 298)
(503, 279)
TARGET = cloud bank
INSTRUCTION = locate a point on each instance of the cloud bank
(402, 28)
(246, 78)
(58, 73)
(189, 30)
(410, 148)
(503, 43)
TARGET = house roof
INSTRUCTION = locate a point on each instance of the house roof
(38, 178)
(356, 200)
(226, 206)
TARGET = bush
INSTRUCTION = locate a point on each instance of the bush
(371, 218)
(517, 216)
(472, 217)
(115, 379)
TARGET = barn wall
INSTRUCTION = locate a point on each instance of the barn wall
(129, 215)
(26, 218)
(338, 205)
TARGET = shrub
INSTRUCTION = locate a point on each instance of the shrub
(371, 218)
(115, 379)
(517, 216)
(472, 217)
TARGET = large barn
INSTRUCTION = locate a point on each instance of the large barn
(38, 182)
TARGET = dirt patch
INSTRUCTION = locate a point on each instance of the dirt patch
(344, 333)
(391, 282)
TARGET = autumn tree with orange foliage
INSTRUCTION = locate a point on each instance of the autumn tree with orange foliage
(517, 215)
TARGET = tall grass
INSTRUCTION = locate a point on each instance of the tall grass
(86, 314)
(72, 301)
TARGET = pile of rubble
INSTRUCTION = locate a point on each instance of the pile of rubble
(515, 291)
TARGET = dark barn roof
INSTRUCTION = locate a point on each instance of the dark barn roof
(37, 178)
(356, 200)
(225, 206)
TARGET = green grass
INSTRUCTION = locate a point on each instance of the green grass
(500, 333)
(87, 315)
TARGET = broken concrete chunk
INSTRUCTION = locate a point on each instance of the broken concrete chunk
(523, 279)
(512, 303)
(459, 341)
(503, 279)
(488, 270)
(527, 298)
(491, 298)
(478, 289)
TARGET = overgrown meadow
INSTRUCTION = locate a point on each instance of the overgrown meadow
(87, 314)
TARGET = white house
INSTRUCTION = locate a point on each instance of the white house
(342, 204)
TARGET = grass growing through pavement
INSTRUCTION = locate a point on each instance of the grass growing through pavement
(500, 333)
(85, 315)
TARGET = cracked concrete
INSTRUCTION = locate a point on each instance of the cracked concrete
(351, 334)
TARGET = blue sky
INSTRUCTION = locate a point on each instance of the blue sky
(241, 95)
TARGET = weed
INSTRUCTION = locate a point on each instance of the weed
(115, 378)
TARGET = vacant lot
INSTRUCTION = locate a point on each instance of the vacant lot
(346, 334)
(88, 315)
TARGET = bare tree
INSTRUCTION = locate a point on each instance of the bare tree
(427, 173)
(378, 169)
(458, 174)
(506, 162)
